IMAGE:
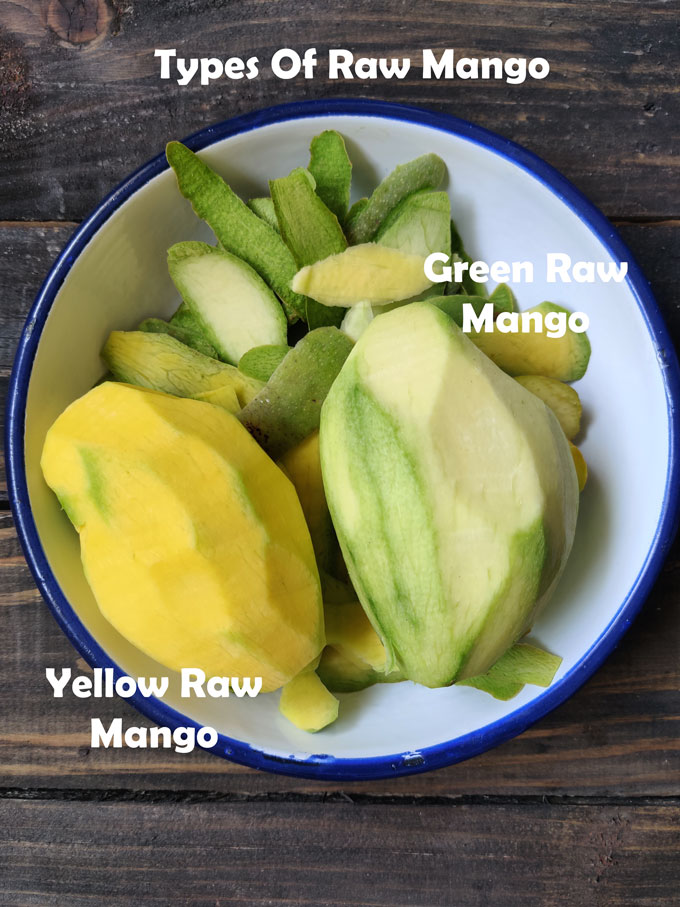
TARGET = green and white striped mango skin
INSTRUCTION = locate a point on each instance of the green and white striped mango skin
(453, 493)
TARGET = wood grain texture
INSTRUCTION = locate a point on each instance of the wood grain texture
(617, 737)
(82, 104)
(27, 252)
(337, 854)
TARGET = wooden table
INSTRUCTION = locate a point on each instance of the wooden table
(582, 808)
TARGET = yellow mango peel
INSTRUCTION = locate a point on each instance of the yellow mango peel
(193, 541)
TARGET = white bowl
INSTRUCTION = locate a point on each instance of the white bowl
(509, 205)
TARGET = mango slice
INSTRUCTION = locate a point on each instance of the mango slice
(535, 353)
(193, 541)
(418, 225)
(264, 208)
(562, 399)
(349, 630)
(467, 286)
(302, 465)
(343, 673)
(184, 321)
(233, 307)
(310, 229)
(307, 703)
(357, 319)
(503, 299)
(366, 273)
(192, 337)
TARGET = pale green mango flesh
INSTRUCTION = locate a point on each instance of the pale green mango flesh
(453, 493)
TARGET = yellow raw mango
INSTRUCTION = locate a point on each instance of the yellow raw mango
(192, 539)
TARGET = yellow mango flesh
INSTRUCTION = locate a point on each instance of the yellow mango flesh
(302, 465)
(307, 703)
(580, 465)
(364, 273)
(349, 630)
(193, 541)
(534, 352)
(562, 399)
(225, 396)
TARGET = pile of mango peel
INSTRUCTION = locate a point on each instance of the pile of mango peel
(309, 473)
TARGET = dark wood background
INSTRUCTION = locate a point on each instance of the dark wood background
(580, 810)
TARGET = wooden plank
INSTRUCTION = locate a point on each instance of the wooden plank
(83, 104)
(617, 736)
(258, 854)
(27, 252)
(656, 248)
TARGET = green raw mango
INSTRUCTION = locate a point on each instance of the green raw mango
(310, 229)
(468, 285)
(229, 301)
(451, 557)
(420, 224)
(264, 208)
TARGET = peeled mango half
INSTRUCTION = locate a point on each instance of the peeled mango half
(453, 494)
(150, 481)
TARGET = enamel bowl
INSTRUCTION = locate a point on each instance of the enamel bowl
(510, 206)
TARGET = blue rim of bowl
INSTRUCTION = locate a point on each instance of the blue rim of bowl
(320, 765)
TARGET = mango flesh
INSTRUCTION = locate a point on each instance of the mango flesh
(534, 352)
(453, 494)
(302, 465)
(366, 273)
(341, 673)
(193, 541)
(307, 703)
(350, 631)
(562, 399)
(580, 466)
